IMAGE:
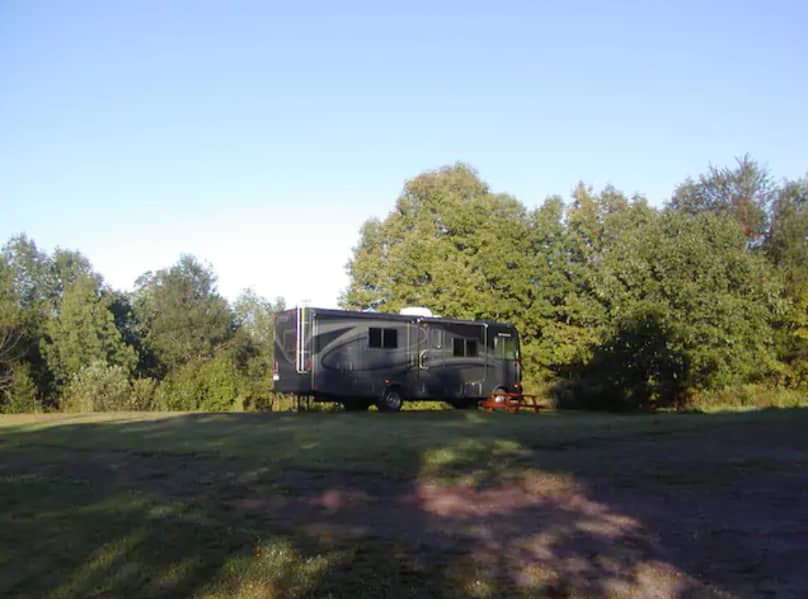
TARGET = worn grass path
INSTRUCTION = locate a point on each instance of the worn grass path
(433, 504)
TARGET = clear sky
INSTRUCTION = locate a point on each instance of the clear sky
(259, 136)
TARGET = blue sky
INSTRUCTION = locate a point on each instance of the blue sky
(259, 136)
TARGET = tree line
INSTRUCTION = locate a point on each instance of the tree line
(70, 342)
(619, 304)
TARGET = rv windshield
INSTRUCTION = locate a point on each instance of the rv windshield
(505, 346)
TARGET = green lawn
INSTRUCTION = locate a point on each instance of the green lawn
(413, 504)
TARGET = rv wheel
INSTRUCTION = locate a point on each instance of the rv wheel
(391, 401)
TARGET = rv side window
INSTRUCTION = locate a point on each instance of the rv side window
(386, 338)
(374, 337)
(464, 347)
(390, 340)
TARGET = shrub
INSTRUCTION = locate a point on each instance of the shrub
(255, 386)
(210, 385)
(98, 387)
(746, 397)
(142, 395)
(20, 396)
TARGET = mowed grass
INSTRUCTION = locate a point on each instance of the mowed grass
(344, 505)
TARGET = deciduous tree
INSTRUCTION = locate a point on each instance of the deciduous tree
(84, 332)
(181, 315)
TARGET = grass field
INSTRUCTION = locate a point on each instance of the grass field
(443, 504)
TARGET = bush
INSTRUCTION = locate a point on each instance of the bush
(746, 397)
(255, 386)
(209, 385)
(98, 388)
(20, 396)
(143, 391)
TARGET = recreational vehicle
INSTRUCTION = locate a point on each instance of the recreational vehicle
(361, 358)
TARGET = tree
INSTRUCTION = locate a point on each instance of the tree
(553, 328)
(787, 239)
(84, 333)
(27, 301)
(180, 314)
(745, 192)
(448, 245)
(453, 246)
(67, 267)
(255, 315)
(252, 346)
(9, 328)
(571, 319)
(787, 247)
(31, 272)
(686, 307)
(19, 395)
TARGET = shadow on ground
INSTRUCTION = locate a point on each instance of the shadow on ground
(375, 505)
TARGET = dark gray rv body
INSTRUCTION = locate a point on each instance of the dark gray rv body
(362, 357)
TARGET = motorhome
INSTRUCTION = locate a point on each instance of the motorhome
(365, 358)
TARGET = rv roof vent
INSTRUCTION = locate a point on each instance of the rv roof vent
(416, 311)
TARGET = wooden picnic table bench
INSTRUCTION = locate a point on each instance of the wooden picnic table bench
(511, 402)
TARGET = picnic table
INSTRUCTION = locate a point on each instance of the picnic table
(511, 402)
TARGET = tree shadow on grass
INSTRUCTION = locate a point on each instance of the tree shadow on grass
(444, 506)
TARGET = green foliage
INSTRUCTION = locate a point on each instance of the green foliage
(744, 192)
(618, 304)
(10, 349)
(84, 332)
(746, 397)
(27, 293)
(687, 305)
(32, 273)
(792, 342)
(142, 394)
(202, 384)
(787, 248)
(35, 286)
(255, 316)
(446, 246)
(255, 383)
(68, 267)
(181, 316)
(20, 394)
(787, 241)
(450, 245)
(98, 387)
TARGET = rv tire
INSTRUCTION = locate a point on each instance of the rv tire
(391, 401)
